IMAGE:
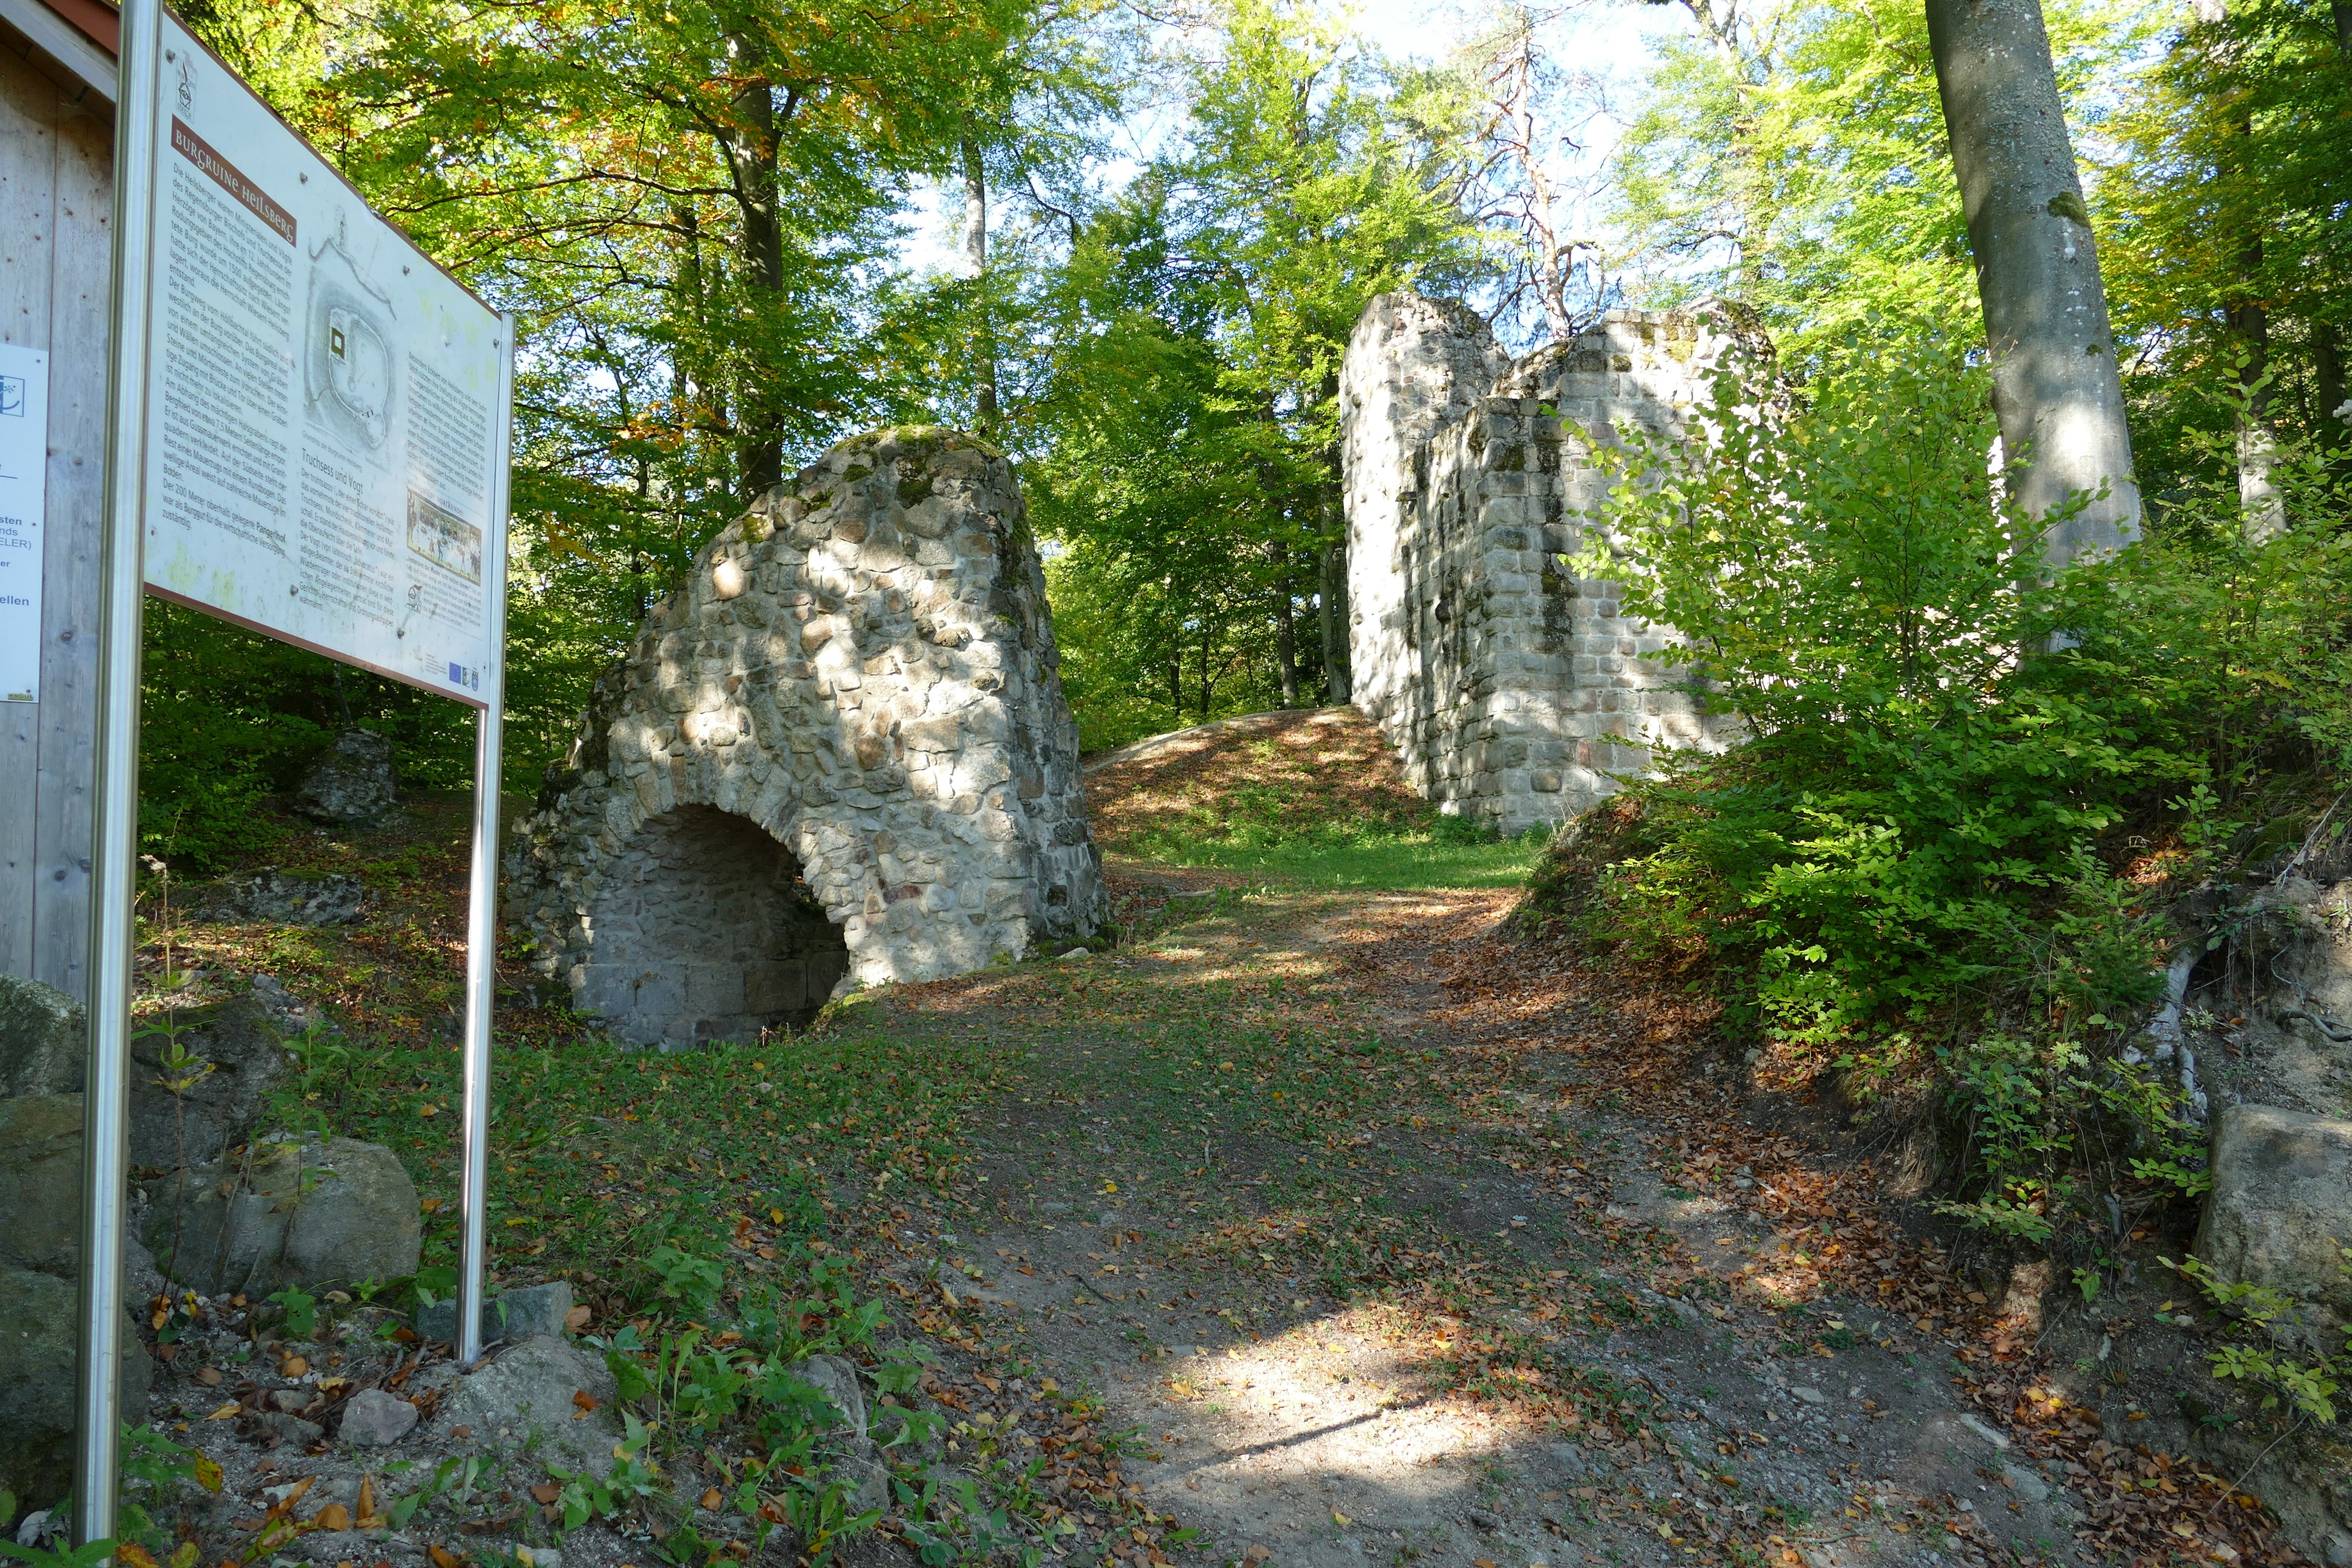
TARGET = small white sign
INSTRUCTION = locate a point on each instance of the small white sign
(325, 405)
(24, 487)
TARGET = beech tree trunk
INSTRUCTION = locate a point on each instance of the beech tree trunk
(975, 256)
(2328, 365)
(1331, 613)
(1286, 644)
(2259, 501)
(752, 154)
(2057, 391)
(2260, 504)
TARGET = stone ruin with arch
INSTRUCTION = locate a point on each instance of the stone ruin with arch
(837, 752)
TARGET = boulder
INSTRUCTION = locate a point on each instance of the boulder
(37, 1384)
(528, 1396)
(303, 1214)
(243, 1044)
(2280, 1213)
(352, 784)
(514, 1315)
(41, 1039)
(837, 1379)
(375, 1418)
(289, 1012)
(279, 899)
(40, 1183)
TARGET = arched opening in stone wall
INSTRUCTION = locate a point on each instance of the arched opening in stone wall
(702, 928)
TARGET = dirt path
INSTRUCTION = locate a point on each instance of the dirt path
(1354, 1244)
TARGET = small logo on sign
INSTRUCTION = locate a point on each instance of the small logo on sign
(187, 84)
(12, 396)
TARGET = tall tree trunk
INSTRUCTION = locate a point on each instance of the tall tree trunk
(2260, 504)
(1513, 84)
(752, 155)
(1331, 612)
(2343, 9)
(2259, 501)
(1748, 60)
(2327, 366)
(2057, 391)
(975, 260)
(2335, 420)
(688, 388)
(1286, 642)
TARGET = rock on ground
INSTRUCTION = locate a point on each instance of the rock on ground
(837, 1379)
(2280, 1210)
(244, 1044)
(36, 1384)
(270, 894)
(515, 1315)
(532, 1391)
(352, 785)
(40, 1182)
(305, 1213)
(41, 1039)
(375, 1418)
(289, 1012)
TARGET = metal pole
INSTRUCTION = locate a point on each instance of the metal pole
(113, 945)
(482, 900)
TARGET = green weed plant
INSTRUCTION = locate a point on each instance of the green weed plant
(2275, 1345)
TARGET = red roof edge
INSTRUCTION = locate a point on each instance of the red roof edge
(96, 20)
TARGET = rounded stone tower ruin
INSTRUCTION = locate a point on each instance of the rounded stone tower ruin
(838, 750)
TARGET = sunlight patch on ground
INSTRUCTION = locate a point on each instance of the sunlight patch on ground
(1303, 1394)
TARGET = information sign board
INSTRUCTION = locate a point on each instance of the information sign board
(307, 428)
(24, 472)
(325, 412)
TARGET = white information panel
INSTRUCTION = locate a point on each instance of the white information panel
(24, 483)
(323, 401)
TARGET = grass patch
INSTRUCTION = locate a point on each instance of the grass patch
(1435, 857)
(1306, 798)
(604, 1154)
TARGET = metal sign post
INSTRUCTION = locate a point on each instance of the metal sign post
(308, 434)
(114, 863)
(481, 929)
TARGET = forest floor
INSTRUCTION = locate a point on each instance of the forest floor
(1322, 1220)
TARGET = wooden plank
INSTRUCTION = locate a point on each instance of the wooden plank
(78, 331)
(29, 141)
(66, 53)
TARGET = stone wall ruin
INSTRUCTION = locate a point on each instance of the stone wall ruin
(837, 752)
(1510, 689)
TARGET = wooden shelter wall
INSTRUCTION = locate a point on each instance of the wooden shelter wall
(57, 213)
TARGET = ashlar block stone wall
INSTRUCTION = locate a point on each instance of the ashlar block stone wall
(839, 751)
(1510, 688)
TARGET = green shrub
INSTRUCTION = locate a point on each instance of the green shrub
(1958, 774)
